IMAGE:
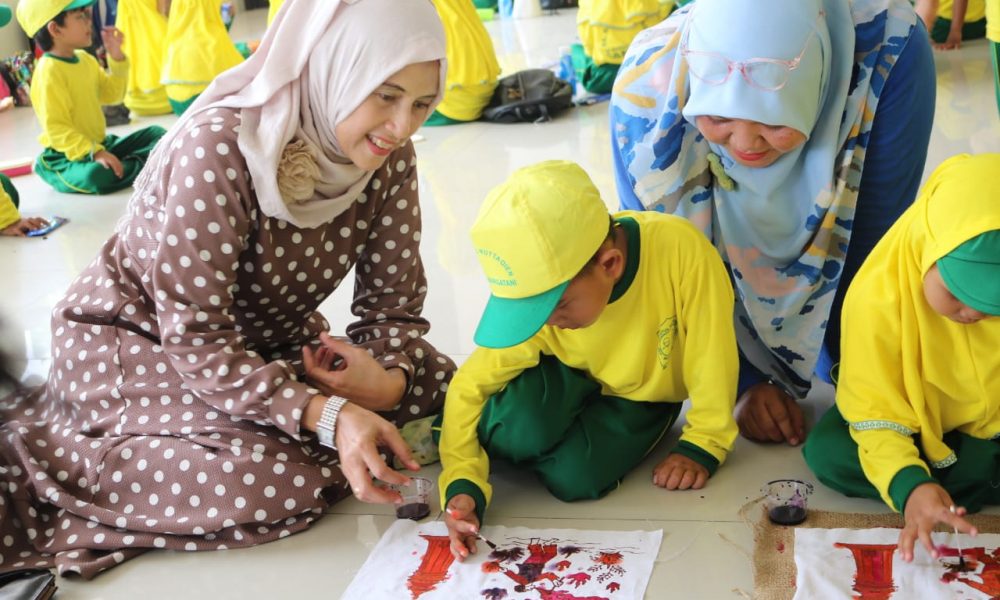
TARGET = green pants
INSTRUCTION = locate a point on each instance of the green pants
(596, 79)
(90, 177)
(832, 454)
(437, 120)
(8, 187)
(555, 421)
(179, 106)
(971, 30)
(995, 57)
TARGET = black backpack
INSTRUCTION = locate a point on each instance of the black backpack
(531, 95)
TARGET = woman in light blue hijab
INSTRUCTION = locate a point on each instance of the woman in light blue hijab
(793, 133)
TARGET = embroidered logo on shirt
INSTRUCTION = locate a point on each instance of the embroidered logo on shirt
(665, 334)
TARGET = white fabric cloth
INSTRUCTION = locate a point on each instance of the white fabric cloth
(318, 61)
(586, 564)
(827, 569)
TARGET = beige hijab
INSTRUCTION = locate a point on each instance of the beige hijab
(318, 61)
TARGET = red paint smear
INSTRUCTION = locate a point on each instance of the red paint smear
(781, 547)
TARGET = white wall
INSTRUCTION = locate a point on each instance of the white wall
(12, 38)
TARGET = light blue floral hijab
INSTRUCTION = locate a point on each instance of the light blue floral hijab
(783, 230)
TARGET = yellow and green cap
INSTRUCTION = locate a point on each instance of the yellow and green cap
(534, 233)
(5, 14)
(972, 272)
(35, 14)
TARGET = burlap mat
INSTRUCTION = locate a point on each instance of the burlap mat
(774, 545)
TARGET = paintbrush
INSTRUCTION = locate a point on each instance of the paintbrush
(492, 546)
(958, 542)
(488, 543)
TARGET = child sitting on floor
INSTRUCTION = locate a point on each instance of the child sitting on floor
(950, 22)
(67, 91)
(11, 222)
(597, 329)
(916, 420)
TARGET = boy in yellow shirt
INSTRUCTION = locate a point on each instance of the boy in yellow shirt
(67, 91)
(606, 28)
(598, 327)
(917, 417)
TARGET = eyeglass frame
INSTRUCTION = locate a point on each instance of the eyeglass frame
(741, 65)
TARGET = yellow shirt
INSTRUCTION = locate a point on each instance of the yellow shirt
(974, 11)
(670, 336)
(607, 27)
(906, 370)
(67, 95)
(275, 6)
(198, 48)
(8, 212)
(145, 31)
(472, 64)
(993, 20)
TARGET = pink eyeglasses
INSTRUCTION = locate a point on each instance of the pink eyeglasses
(769, 74)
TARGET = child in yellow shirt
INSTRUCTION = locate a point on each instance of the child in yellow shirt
(917, 417)
(598, 327)
(606, 28)
(950, 22)
(67, 91)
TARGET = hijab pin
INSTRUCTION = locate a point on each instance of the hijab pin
(721, 177)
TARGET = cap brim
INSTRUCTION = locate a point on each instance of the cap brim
(78, 4)
(985, 296)
(5, 14)
(507, 322)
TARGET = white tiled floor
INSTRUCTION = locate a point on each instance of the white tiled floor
(458, 166)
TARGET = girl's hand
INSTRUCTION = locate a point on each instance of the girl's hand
(928, 505)
(357, 376)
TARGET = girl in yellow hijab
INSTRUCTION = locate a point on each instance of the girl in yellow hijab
(917, 418)
(198, 49)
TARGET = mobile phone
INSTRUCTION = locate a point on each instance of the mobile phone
(54, 223)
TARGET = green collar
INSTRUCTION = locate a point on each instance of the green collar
(632, 262)
(71, 61)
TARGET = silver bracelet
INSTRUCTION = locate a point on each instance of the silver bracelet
(326, 428)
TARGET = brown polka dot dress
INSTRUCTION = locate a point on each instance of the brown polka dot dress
(171, 416)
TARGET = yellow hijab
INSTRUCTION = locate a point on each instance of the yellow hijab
(905, 367)
(198, 48)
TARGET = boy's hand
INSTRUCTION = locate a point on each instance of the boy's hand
(928, 505)
(110, 161)
(22, 227)
(766, 413)
(113, 39)
(678, 472)
(463, 525)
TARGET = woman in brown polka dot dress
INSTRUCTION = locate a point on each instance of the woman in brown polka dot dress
(178, 413)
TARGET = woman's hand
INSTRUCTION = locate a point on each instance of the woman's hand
(928, 505)
(766, 413)
(359, 433)
(357, 376)
(463, 525)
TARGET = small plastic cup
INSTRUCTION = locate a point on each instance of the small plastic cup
(416, 495)
(786, 500)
